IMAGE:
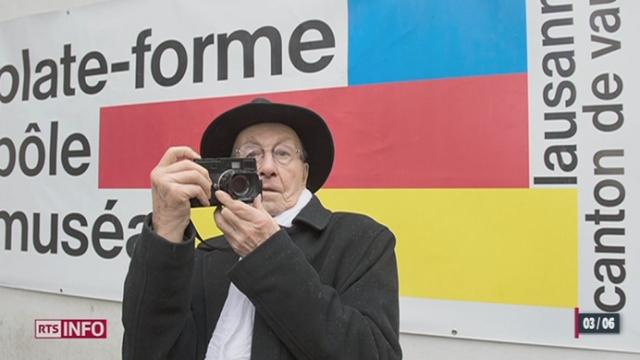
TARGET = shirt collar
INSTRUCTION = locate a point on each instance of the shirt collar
(286, 217)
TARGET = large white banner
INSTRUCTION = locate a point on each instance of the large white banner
(60, 231)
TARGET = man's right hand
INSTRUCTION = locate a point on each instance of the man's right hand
(174, 181)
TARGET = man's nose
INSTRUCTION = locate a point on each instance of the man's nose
(266, 165)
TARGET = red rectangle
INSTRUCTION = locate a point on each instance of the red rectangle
(453, 133)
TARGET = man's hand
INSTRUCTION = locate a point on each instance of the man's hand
(244, 226)
(174, 181)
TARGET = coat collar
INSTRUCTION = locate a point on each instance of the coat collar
(314, 215)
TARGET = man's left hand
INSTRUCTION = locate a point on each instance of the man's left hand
(244, 226)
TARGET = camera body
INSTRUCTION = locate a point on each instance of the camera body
(238, 177)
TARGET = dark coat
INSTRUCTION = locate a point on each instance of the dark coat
(327, 288)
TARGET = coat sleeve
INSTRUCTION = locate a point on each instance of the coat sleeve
(157, 294)
(355, 318)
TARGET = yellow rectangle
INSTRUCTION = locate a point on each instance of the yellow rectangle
(510, 246)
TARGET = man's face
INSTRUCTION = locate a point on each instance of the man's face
(282, 180)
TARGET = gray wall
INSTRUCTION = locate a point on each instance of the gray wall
(20, 308)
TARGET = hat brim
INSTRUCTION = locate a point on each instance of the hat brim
(220, 135)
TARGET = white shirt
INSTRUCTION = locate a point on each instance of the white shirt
(231, 339)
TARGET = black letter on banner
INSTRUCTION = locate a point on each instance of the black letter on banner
(248, 42)
(609, 265)
(558, 151)
(26, 79)
(51, 78)
(75, 234)
(556, 58)
(601, 247)
(66, 60)
(547, 40)
(199, 45)
(13, 88)
(156, 58)
(570, 118)
(139, 49)
(606, 93)
(97, 234)
(557, 97)
(604, 16)
(599, 123)
(296, 46)
(83, 72)
(8, 227)
(40, 152)
(546, 8)
(609, 183)
(598, 169)
(609, 308)
(67, 154)
(52, 246)
(11, 149)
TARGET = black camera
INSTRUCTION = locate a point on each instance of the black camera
(237, 177)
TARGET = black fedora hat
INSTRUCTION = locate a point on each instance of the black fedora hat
(218, 138)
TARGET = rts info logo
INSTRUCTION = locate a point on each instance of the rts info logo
(71, 329)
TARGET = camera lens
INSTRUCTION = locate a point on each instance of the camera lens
(239, 185)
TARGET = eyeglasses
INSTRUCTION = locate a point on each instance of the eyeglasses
(283, 154)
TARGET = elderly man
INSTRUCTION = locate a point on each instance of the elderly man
(287, 280)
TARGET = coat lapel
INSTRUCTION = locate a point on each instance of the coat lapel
(216, 263)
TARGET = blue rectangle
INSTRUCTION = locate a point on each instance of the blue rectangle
(405, 40)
